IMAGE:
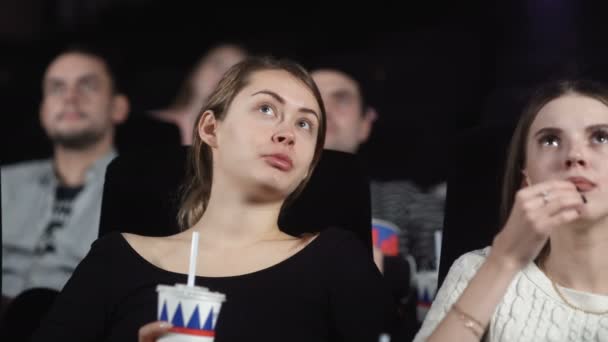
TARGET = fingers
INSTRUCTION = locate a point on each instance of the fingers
(151, 331)
(545, 187)
(549, 204)
(537, 210)
(563, 217)
(552, 195)
(561, 201)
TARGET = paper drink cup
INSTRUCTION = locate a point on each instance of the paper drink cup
(192, 310)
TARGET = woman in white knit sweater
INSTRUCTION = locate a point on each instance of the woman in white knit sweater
(545, 277)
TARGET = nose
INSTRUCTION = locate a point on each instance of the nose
(575, 158)
(71, 94)
(284, 137)
(572, 161)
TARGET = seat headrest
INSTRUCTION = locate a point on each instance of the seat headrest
(141, 195)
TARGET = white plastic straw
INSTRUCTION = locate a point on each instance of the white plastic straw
(193, 256)
(438, 234)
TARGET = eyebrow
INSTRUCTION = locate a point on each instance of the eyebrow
(53, 82)
(547, 130)
(83, 78)
(556, 130)
(282, 101)
(342, 92)
(89, 77)
(596, 127)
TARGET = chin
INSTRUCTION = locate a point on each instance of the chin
(589, 220)
(596, 218)
(270, 190)
(274, 184)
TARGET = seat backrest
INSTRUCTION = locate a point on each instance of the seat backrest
(141, 195)
(477, 160)
(157, 133)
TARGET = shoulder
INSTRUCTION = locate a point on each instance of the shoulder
(106, 255)
(28, 169)
(343, 251)
(337, 246)
(109, 242)
(118, 245)
(465, 267)
(152, 249)
(133, 239)
(472, 259)
(119, 251)
(460, 274)
(332, 237)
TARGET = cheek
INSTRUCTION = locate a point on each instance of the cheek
(347, 116)
(602, 155)
(544, 157)
(50, 105)
(98, 117)
(46, 113)
(601, 168)
(539, 170)
(538, 166)
(236, 139)
(603, 183)
(307, 151)
(247, 139)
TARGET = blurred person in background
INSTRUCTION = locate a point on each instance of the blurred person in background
(399, 208)
(197, 87)
(350, 120)
(51, 207)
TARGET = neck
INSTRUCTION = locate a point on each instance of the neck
(71, 165)
(577, 258)
(237, 220)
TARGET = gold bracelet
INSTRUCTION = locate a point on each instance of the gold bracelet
(469, 322)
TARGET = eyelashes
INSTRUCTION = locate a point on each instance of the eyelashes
(307, 124)
(266, 109)
(549, 140)
(598, 136)
(269, 110)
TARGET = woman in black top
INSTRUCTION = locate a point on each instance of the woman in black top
(255, 146)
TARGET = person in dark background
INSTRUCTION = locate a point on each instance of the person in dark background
(197, 87)
(350, 122)
(51, 207)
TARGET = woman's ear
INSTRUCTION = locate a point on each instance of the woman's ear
(120, 109)
(207, 128)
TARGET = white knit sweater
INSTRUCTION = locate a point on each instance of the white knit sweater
(531, 310)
